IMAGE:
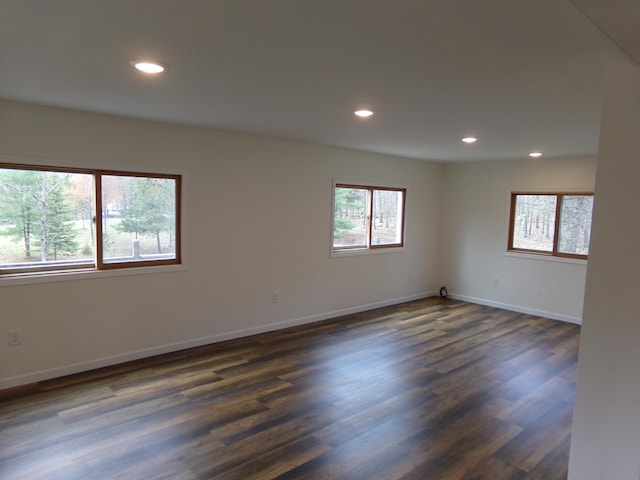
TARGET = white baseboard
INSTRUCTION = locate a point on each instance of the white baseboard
(198, 342)
(516, 308)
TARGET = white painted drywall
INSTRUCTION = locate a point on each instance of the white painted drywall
(475, 207)
(605, 442)
(258, 221)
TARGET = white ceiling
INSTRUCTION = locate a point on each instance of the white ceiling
(521, 75)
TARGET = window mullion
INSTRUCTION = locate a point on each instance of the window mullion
(98, 219)
(178, 220)
(556, 230)
(369, 216)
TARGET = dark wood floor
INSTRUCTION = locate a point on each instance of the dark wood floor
(430, 389)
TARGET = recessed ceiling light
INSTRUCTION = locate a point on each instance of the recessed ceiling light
(469, 139)
(149, 67)
(363, 113)
(535, 154)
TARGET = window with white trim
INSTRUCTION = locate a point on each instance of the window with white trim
(367, 217)
(58, 219)
(556, 224)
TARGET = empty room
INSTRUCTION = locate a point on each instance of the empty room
(260, 239)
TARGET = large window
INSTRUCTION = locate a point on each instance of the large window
(366, 217)
(557, 224)
(62, 219)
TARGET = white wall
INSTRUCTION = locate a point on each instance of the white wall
(475, 213)
(605, 442)
(258, 215)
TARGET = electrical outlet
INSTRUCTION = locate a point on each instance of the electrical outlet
(14, 338)
(275, 297)
(496, 281)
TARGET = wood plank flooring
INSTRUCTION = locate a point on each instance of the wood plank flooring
(432, 389)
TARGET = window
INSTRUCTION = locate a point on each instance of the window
(61, 219)
(366, 217)
(557, 224)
